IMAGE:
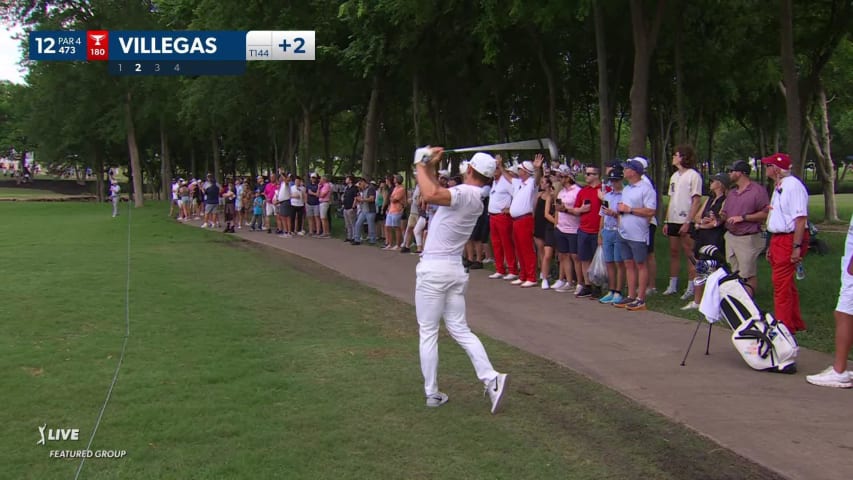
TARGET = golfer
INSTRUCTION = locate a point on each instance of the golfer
(441, 278)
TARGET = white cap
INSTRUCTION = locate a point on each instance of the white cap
(642, 160)
(463, 166)
(527, 165)
(484, 164)
(444, 173)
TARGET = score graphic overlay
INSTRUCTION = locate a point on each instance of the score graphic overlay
(135, 53)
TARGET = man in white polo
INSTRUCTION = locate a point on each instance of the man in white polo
(441, 277)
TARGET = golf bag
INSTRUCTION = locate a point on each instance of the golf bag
(764, 343)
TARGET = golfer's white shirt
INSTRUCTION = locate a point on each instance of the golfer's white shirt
(451, 226)
(522, 197)
(789, 202)
(501, 195)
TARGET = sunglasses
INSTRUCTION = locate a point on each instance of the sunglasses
(590, 173)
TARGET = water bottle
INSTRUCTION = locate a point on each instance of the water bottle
(801, 271)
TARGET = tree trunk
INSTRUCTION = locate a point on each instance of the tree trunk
(371, 130)
(680, 106)
(824, 166)
(326, 129)
(165, 161)
(133, 150)
(305, 142)
(552, 90)
(606, 137)
(217, 158)
(416, 121)
(99, 174)
(793, 107)
(644, 45)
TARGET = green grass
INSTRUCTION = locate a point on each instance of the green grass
(248, 363)
(27, 193)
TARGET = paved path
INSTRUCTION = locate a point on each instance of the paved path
(778, 421)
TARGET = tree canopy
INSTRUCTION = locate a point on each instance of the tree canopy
(605, 80)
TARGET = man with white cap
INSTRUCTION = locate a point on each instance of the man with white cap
(441, 277)
(525, 189)
(637, 206)
(500, 224)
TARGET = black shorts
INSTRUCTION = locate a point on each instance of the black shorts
(672, 229)
(284, 209)
(587, 244)
(566, 242)
(481, 230)
(653, 229)
(549, 237)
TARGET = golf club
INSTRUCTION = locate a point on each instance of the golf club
(536, 144)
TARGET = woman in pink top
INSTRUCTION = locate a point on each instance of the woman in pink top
(566, 231)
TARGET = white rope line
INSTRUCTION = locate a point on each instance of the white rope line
(123, 346)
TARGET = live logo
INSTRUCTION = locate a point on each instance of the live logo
(97, 45)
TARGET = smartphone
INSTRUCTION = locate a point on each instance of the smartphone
(559, 202)
(587, 202)
(605, 203)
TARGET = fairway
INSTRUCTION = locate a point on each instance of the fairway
(248, 363)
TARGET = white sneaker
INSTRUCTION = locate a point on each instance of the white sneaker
(558, 284)
(496, 276)
(688, 294)
(670, 291)
(495, 389)
(565, 288)
(510, 276)
(395, 247)
(578, 289)
(517, 281)
(488, 260)
(301, 233)
(545, 284)
(830, 378)
(204, 225)
(691, 306)
(651, 291)
(528, 284)
(437, 400)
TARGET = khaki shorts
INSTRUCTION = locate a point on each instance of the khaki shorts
(742, 253)
(413, 220)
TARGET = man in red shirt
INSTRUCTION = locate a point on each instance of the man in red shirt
(588, 206)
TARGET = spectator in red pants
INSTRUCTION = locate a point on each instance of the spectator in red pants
(500, 224)
(525, 189)
(789, 240)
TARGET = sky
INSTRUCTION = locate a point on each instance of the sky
(10, 55)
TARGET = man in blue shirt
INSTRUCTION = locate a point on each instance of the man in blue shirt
(637, 207)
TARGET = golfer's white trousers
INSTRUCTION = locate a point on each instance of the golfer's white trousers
(440, 291)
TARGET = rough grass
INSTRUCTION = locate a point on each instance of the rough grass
(244, 363)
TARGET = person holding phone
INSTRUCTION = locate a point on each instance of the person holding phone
(588, 207)
(610, 240)
(566, 233)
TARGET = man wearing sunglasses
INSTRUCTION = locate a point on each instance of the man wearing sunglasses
(588, 206)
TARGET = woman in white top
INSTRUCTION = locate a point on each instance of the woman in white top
(298, 195)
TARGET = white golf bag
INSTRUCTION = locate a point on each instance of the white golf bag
(764, 343)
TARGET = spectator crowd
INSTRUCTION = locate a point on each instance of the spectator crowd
(543, 226)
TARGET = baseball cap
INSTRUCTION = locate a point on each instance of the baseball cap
(314, 175)
(741, 166)
(443, 173)
(565, 170)
(642, 160)
(527, 165)
(722, 178)
(484, 164)
(634, 165)
(617, 173)
(781, 160)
